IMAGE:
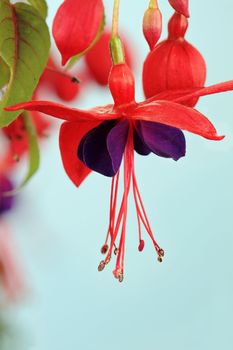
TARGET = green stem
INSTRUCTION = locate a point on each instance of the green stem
(115, 18)
(116, 47)
(153, 4)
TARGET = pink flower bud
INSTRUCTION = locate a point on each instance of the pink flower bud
(152, 26)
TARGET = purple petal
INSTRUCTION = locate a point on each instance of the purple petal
(6, 202)
(116, 142)
(139, 145)
(93, 151)
(165, 141)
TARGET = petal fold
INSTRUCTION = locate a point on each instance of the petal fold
(165, 141)
(93, 150)
(116, 142)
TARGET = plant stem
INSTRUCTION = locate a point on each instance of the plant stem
(115, 18)
(153, 4)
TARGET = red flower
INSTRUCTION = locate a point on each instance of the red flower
(181, 6)
(76, 26)
(174, 63)
(99, 138)
(99, 60)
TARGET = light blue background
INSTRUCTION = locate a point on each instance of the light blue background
(184, 303)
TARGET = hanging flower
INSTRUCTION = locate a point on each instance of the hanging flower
(98, 139)
(174, 63)
(79, 19)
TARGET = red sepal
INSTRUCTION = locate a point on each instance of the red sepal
(66, 113)
(69, 139)
(178, 116)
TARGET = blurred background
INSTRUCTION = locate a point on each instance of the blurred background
(184, 303)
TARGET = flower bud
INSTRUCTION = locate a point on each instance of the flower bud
(152, 26)
(76, 26)
(181, 6)
(177, 26)
(121, 84)
(174, 64)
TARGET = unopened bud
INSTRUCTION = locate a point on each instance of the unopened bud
(177, 26)
(152, 26)
(181, 6)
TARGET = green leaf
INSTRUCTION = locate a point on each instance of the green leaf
(24, 46)
(4, 74)
(41, 6)
(75, 59)
(34, 151)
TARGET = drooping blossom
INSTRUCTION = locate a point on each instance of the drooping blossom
(181, 6)
(174, 63)
(98, 139)
(98, 58)
(79, 19)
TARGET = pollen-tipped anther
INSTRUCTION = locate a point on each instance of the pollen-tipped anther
(161, 252)
(160, 259)
(101, 266)
(116, 251)
(104, 249)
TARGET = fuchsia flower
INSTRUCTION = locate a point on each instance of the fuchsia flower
(100, 138)
(66, 27)
(174, 63)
